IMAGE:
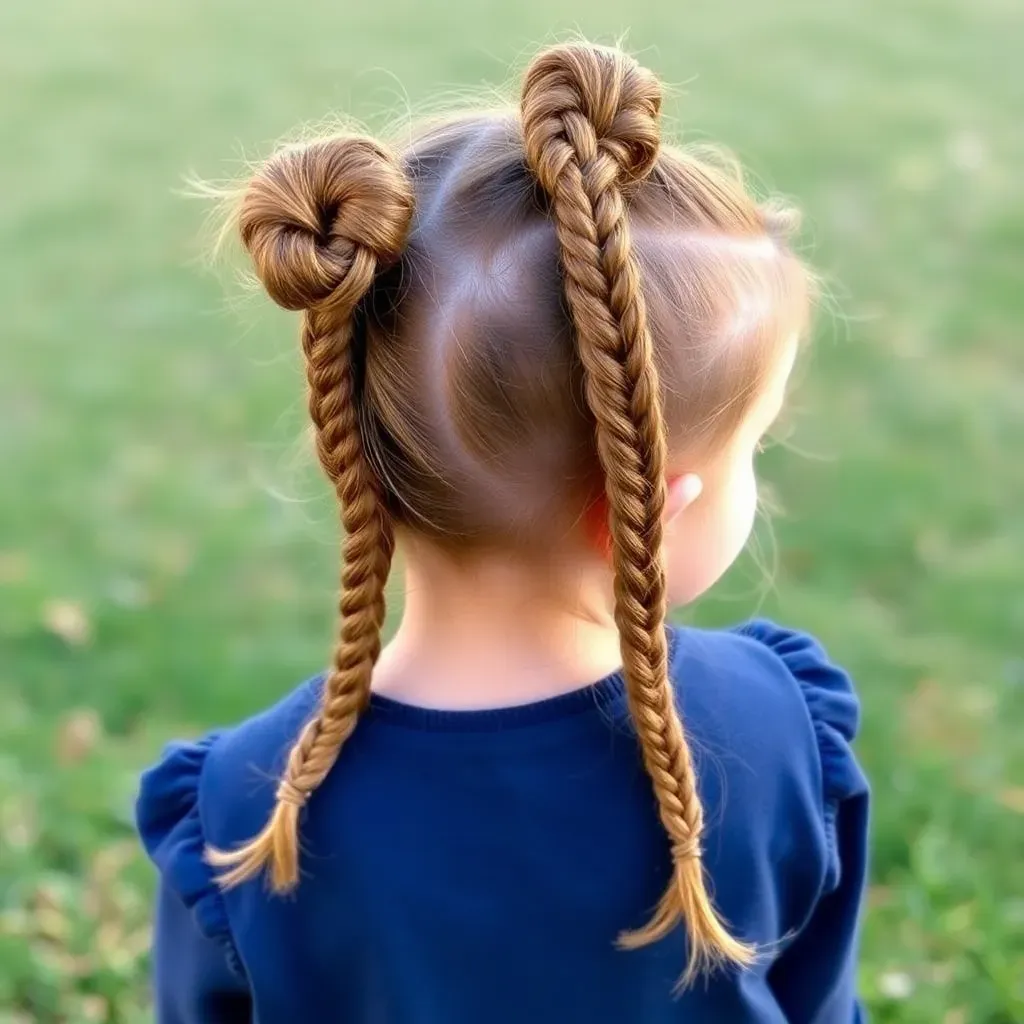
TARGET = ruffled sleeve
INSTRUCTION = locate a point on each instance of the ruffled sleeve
(814, 978)
(171, 830)
(835, 716)
(834, 712)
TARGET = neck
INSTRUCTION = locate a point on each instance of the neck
(492, 632)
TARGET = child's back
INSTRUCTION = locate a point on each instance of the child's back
(478, 865)
(498, 833)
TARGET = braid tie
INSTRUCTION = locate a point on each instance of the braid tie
(289, 793)
(319, 222)
(591, 133)
(687, 850)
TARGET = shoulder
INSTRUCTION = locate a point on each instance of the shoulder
(828, 694)
(778, 718)
(761, 678)
(217, 791)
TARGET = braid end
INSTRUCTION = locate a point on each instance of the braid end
(686, 902)
(274, 851)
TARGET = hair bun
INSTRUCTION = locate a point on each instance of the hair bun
(312, 213)
(579, 100)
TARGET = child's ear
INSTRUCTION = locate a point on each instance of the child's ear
(682, 491)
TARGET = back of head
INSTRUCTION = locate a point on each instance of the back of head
(522, 315)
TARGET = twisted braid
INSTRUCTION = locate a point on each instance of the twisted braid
(319, 221)
(590, 127)
(330, 378)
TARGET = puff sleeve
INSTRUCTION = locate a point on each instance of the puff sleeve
(198, 975)
(814, 978)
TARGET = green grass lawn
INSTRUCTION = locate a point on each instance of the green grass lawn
(167, 552)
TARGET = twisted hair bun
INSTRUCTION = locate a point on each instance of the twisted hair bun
(315, 217)
(583, 102)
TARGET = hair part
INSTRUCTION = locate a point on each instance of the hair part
(516, 316)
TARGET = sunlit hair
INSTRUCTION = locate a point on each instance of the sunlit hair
(520, 316)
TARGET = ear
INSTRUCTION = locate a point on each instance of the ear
(681, 492)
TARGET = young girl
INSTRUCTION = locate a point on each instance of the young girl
(542, 349)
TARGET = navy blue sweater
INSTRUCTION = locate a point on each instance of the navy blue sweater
(475, 867)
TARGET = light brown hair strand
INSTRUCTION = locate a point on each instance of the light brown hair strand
(590, 124)
(319, 222)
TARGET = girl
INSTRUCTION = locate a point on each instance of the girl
(542, 349)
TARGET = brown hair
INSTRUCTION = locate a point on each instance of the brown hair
(514, 317)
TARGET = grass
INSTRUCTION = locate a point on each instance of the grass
(167, 557)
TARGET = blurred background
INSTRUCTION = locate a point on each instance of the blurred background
(168, 553)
